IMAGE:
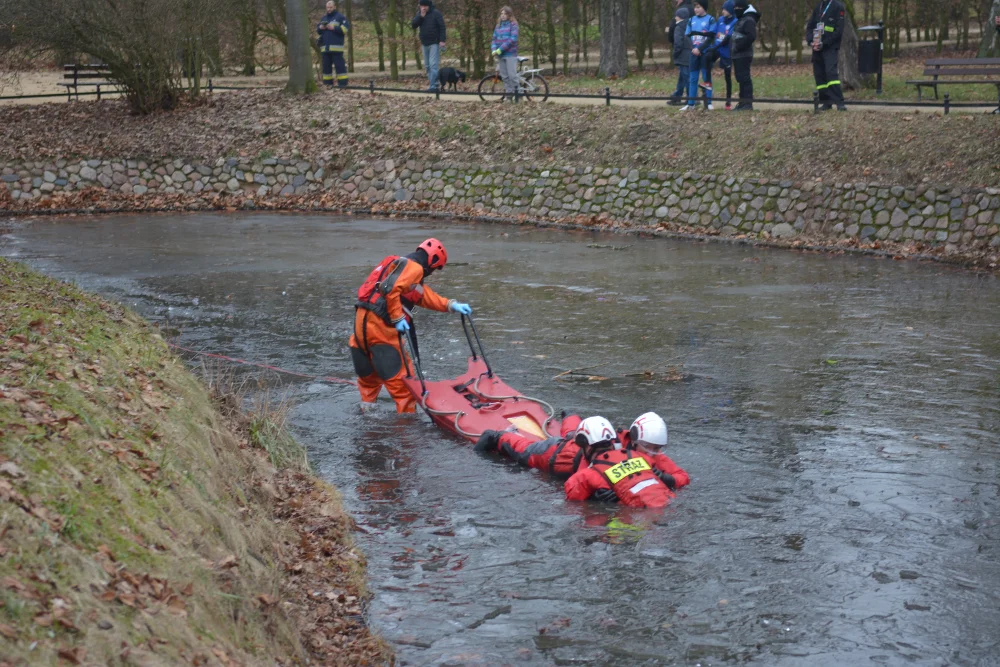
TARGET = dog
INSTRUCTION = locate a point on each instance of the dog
(450, 76)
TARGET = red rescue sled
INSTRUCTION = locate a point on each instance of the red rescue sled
(478, 400)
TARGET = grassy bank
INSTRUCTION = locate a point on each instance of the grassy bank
(874, 147)
(138, 525)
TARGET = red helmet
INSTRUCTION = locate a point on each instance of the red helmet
(437, 256)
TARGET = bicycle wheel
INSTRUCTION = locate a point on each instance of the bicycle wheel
(491, 88)
(535, 89)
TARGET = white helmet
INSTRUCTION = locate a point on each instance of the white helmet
(649, 429)
(594, 430)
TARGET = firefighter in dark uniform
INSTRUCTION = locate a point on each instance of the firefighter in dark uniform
(332, 31)
(824, 31)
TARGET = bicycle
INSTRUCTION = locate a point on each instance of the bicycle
(531, 85)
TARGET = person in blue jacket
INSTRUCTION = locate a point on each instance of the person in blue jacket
(504, 47)
(720, 49)
(332, 30)
(700, 30)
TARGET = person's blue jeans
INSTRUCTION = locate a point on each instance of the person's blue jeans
(682, 81)
(432, 59)
(700, 66)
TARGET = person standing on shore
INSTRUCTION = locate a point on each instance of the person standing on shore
(332, 31)
(672, 27)
(682, 55)
(504, 47)
(741, 49)
(701, 31)
(823, 32)
(430, 23)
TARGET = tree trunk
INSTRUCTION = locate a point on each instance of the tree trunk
(989, 47)
(373, 13)
(480, 43)
(640, 42)
(847, 64)
(350, 36)
(566, 14)
(300, 70)
(550, 31)
(393, 50)
(614, 33)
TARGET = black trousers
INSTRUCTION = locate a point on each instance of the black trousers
(331, 60)
(741, 68)
(827, 77)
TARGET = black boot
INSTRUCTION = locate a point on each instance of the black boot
(488, 442)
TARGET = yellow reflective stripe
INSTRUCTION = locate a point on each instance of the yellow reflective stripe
(341, 77)
(829, 28)
(834, 83)
(328, 77)
(616, 473)
(821, 87)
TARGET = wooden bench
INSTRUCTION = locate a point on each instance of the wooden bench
(77, 75)
(941, 71)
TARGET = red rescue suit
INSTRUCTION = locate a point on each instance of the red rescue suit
(629, 474)
(661, 462)
(556, 456)
(383, 300)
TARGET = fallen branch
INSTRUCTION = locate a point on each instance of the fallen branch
(576, 371)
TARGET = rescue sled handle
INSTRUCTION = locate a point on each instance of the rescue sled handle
(406, 344)
(472, 348)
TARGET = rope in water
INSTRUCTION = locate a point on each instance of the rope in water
(321, 378)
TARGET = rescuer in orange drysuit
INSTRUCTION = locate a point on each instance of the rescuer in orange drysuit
(629, 474)
(561, 456)
(383, 315)
(558, 455)
(648, 435)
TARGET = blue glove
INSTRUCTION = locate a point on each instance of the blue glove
(402, 326)
(460, 308)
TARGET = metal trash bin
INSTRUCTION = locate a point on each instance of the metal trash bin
(870, 39)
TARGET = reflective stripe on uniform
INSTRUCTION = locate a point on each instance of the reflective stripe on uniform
(829, 28)
(341, 77)
(642, 485)
(328, 77)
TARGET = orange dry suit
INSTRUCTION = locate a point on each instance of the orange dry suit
(629, 474)
(385, 298)
(556, 455)
(661, 462)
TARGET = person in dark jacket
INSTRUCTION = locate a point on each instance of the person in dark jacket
(671, 29)
(430, 23)
(824, 31)
(741, 48)
(682, 54)
(332, 30)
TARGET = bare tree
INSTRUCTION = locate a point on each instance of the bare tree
(300, 69)
(614, 35)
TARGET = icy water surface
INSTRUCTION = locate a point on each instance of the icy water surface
(839, 421)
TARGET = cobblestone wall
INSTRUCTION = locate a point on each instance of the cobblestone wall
(964, 220)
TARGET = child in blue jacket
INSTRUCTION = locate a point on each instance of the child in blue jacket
(720, 49)
(701, 30)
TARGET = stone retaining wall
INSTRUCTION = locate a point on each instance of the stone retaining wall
(966, 220)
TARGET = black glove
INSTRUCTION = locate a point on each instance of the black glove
(667, 479)
(605, 496)
(488, 441)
